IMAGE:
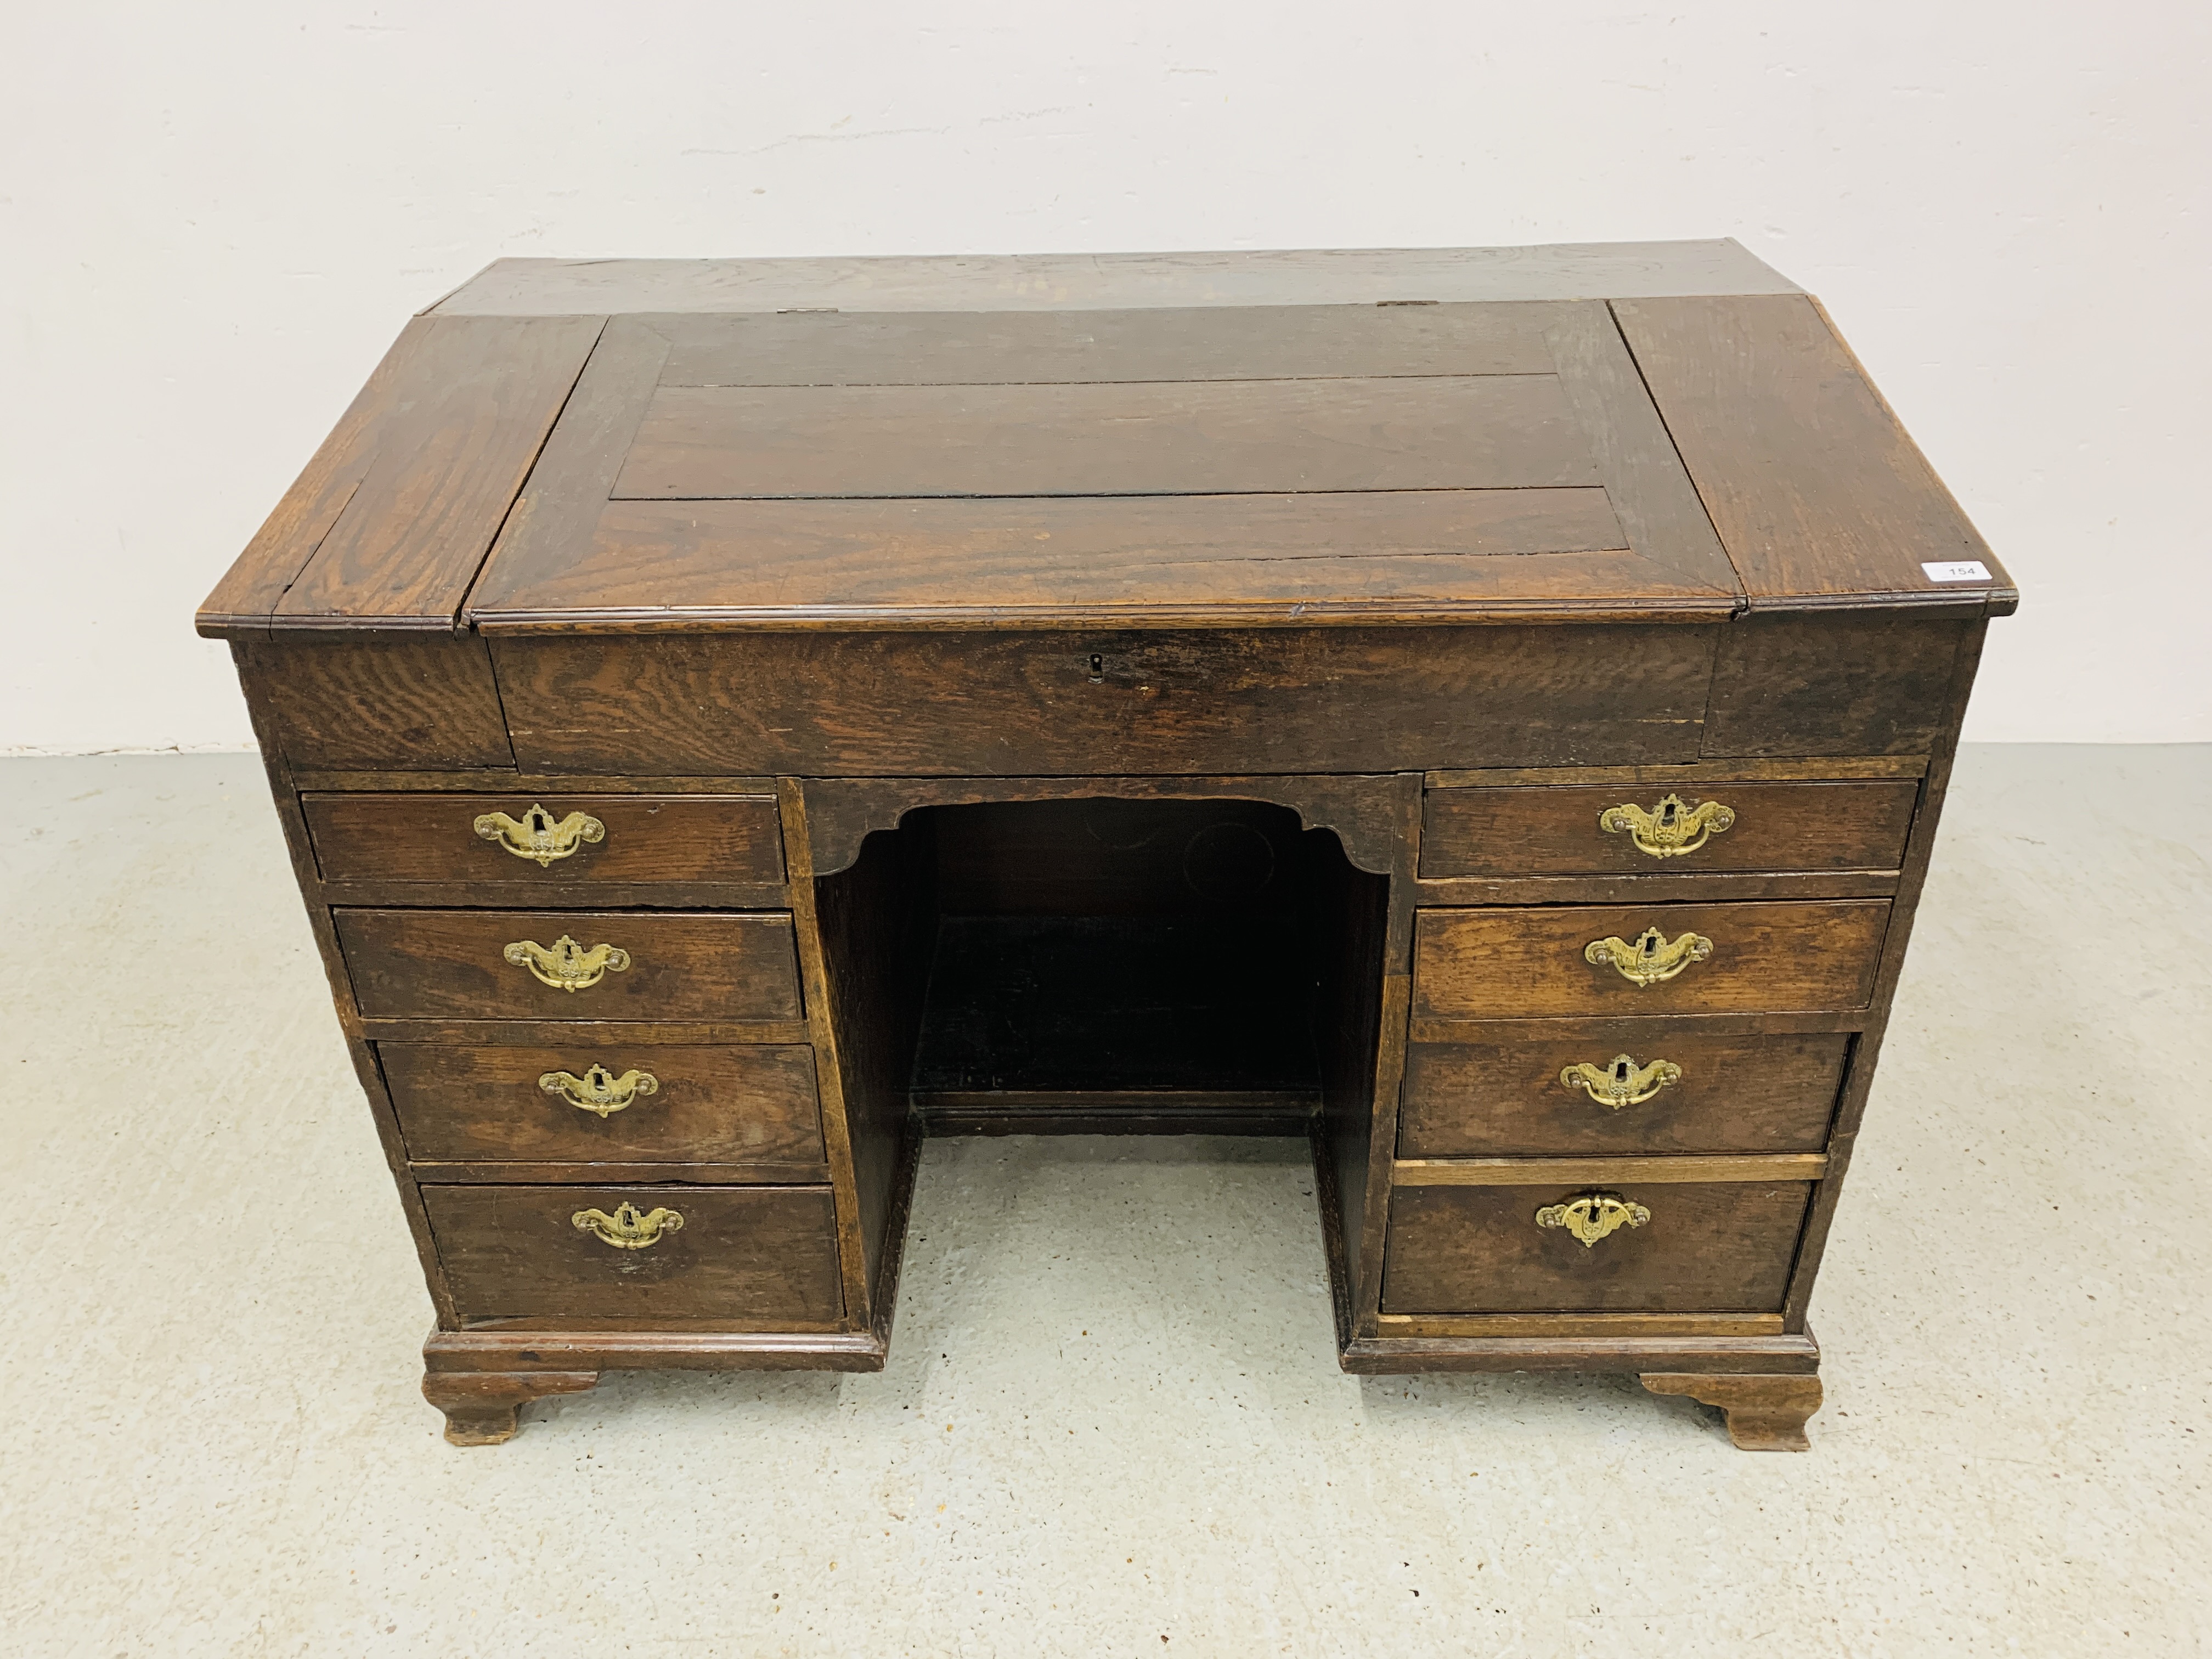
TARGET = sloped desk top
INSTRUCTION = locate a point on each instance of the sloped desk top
(1654, 432)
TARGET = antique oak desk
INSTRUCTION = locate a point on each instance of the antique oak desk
(1485, 711)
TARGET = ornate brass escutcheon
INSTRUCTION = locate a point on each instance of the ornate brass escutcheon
(537, 837)
(1621, 1081)
(566, 965)
(1592, 1215)
(598, 1090)
(1651, 958)
(628, 1228)
(1669, 829)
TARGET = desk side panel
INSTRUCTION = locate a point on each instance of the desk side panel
(873, 923)
(1859, 1081)
(261, 697)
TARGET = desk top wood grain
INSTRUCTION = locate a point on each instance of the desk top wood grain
(1660, 432)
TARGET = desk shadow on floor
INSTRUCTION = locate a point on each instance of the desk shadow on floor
(1571, 1405)
(646, 1402)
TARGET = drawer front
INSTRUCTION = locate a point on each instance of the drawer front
(1816, 956)
(1562, 830)
(764, 1258)
(584, 841)
(991, 703)
(733, 1104)
(1657, 1088)
(454, 964)
(1723, 1247)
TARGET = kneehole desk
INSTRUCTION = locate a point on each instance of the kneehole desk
(1483, 711)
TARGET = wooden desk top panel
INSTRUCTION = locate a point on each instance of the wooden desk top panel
(1145, 441)
(1819, 495)
(392, 517)
(1021, 493)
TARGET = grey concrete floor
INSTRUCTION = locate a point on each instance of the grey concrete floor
(1113, 1423)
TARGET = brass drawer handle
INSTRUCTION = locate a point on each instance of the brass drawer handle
(566, 965)
(537, 837)
(1669, 829)
(1651, 958)
(598, 1090)
(628, 1229)
(1589, 1218)
(1621, 1081)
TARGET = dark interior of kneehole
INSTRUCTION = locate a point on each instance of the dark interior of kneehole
(1109, 965)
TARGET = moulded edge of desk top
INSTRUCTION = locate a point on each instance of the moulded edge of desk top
(1083, 282)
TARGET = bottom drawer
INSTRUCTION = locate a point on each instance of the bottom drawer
(764, 1258)
(1713, 1247)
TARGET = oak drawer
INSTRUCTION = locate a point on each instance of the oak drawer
(600, 1100)
(1560, 829)
(999, 702)
(1720, 1247)
(453, 964)
(1806, 957)
(761, 1257)
(1703, 1094)
(587, 842)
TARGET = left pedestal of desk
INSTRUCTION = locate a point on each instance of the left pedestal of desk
(591, 1018)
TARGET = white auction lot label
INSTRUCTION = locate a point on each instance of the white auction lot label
(1959, 570)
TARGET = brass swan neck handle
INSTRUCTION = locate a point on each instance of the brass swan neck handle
(566, 965)
(1621, 1081)
(1593, 1216)
(598, 1090)
(1650, 957)
(628, 1228)
(1671, 828)
(538, 835)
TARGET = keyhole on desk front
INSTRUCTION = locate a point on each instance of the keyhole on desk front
(1097, 669)
(1621, 1070)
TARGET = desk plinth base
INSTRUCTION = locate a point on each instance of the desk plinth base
(482, 1378)
(1767, 1387)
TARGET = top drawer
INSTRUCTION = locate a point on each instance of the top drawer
(1574, 830)
(546, 844)
(995, 702)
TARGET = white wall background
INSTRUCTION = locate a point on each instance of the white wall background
(214, 219)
